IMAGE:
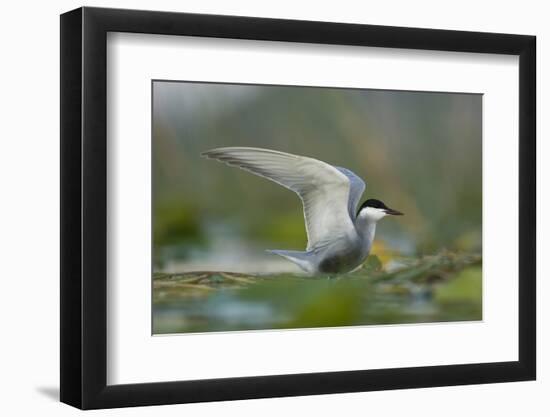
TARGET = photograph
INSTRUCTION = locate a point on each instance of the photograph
(290, 207)
(285, 204)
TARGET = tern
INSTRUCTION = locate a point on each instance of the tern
(339, 236)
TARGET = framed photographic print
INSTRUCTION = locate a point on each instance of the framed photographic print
(258, 207)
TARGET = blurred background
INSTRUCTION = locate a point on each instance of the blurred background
(419, 152)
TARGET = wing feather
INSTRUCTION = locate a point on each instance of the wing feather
(327, 192)
(357, 187)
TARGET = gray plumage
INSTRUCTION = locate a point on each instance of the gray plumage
(338, 239)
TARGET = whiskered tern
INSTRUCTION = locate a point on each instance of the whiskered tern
(339, 237)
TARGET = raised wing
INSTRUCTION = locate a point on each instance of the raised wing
(323, 189)
(357, 187)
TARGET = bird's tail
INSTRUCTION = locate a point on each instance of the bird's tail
(302, 259)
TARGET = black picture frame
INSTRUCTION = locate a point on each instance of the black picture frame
(84, 207)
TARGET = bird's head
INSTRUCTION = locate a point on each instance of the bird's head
(374, 210)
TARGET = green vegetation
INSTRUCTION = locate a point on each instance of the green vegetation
(418, 152)
(444, 287)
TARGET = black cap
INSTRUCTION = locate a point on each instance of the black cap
(374, 203)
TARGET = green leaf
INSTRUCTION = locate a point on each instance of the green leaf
(466, 286)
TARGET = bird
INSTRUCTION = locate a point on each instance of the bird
(339, 233)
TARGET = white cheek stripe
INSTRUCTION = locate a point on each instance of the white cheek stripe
(372, 213)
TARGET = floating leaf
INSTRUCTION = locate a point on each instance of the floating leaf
(465, 287)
